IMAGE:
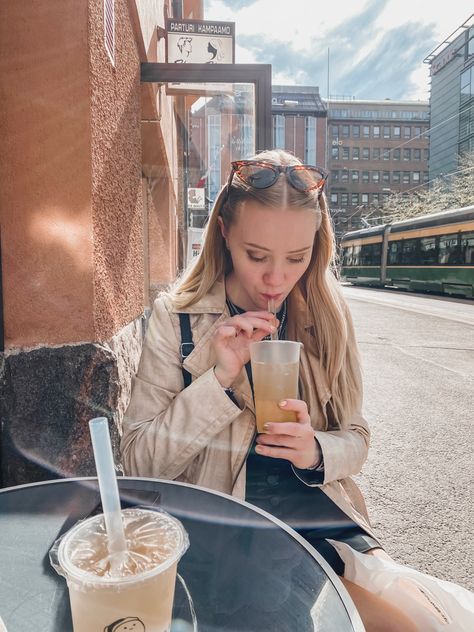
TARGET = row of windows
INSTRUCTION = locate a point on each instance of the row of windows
(378, 114)
(363, 153)
(376, 131)
(467, 86)
(356, 199)
(309, 137)
(453, 249)
(394, 177)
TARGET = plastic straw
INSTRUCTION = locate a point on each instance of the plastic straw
(272, 310)
(104, 463)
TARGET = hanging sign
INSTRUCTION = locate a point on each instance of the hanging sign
(199, 42)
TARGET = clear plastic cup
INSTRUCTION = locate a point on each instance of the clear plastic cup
(275, 372)
(135, 595)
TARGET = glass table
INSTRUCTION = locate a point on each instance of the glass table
(244, 570)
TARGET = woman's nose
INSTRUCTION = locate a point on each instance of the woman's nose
(274, 276)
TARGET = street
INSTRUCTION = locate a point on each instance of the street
(418, 360)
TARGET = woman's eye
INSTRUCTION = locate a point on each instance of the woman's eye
(300, 260)
(254, 258)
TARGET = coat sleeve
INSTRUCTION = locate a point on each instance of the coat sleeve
(166, 425)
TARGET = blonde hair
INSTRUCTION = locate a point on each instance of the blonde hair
(316, 298)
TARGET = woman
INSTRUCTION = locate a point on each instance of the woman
(269, 237)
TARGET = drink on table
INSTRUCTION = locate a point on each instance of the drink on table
(131, 590)
(275, 370)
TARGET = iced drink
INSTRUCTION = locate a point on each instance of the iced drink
(131, 593)
(275, 370)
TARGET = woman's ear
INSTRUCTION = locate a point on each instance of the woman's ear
(222, 227)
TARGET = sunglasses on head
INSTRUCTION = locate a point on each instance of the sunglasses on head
(260, 174)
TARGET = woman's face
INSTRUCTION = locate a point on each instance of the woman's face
(270, 249)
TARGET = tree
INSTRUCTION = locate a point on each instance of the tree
(454, 190)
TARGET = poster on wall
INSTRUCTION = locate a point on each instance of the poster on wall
(195, 239)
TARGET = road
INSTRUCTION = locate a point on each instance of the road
(418, 362)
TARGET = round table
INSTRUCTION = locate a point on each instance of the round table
(244, 570)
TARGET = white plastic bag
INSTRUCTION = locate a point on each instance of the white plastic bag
(433, 605)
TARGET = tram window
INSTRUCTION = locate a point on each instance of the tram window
(410, 251)
(356, 256)
(449, 251)
(370, 255)
(467, 249)
(394, 253)
(347, 256)
(428, 251)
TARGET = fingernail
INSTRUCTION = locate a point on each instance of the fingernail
(258, 448)
(283, 403)
(272, 328)
(266, 426)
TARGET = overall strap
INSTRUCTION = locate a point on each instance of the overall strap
(186, 346)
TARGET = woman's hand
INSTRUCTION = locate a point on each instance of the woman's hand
(232, 339)
(293, 441)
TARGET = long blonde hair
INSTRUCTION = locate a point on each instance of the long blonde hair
(316, 299)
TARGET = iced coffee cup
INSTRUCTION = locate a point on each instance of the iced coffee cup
(275, 371)
(132, 591)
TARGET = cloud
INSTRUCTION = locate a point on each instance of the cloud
(238, 4)
(365, 60)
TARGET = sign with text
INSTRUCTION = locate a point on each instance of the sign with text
(199, 42)
(196, 199)
(195, 239)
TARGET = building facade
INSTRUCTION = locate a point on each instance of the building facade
(375, 149)
(299, 122)
(451, 101)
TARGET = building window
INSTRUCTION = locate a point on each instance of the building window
(344, 199)
(417, 131)
(279, 131)
(335, 131)
(345, 131)
(344, 175)
(376, 153)
(375, 199)
(354, 199)
(397, 131)
(396, 177)
(425, 177)
(386, 176)
(376, 131)
(345, 153)
(335, 153)
(335, 175)
(407, 154)
(396, 154)
(365, 131)
(364, 198)
(365, 176)
(386, 131)
(310, 140)
(214, 150)
(355, 131)
(354, 176)
(386, 153)
(407, 132)
(406, 177)
(375, 176)
(109, 29)
(334, 198)
(355, 153)
(426, 154)
(417, 154)
(365, 153)
(415, 177)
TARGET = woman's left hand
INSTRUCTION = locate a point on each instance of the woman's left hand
(293, 441)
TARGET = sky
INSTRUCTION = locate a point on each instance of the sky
(376, 47)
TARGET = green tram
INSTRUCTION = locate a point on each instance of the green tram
(433, 253)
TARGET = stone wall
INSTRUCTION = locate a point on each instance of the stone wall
(48, 395)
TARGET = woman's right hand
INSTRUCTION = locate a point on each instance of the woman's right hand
(232, 339)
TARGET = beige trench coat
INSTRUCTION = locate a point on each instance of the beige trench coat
(198, 435)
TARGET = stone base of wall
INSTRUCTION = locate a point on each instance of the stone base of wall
(48, 395)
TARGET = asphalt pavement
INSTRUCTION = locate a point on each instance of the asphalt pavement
(418, 362)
